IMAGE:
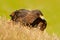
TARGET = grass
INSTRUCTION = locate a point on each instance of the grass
(11, 31)
(50, 9)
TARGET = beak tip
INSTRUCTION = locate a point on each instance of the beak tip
(42, 17)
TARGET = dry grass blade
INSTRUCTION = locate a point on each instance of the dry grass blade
(9, 31)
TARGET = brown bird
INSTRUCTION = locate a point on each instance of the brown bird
(34, 17)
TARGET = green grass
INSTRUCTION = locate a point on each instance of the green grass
(50, 9)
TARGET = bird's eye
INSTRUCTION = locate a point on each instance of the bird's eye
(38, 13)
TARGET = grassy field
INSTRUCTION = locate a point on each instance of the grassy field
(10, 31)
(50, 9)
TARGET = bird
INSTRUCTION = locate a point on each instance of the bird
(30, 17)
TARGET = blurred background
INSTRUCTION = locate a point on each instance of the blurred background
(50, 9)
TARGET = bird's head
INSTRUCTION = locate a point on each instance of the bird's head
(38, 13)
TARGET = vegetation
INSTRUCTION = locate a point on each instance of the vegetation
(11, 31)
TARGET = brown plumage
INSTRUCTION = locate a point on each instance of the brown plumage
(29, 18)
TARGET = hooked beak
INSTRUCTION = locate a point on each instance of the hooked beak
(42, 17)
